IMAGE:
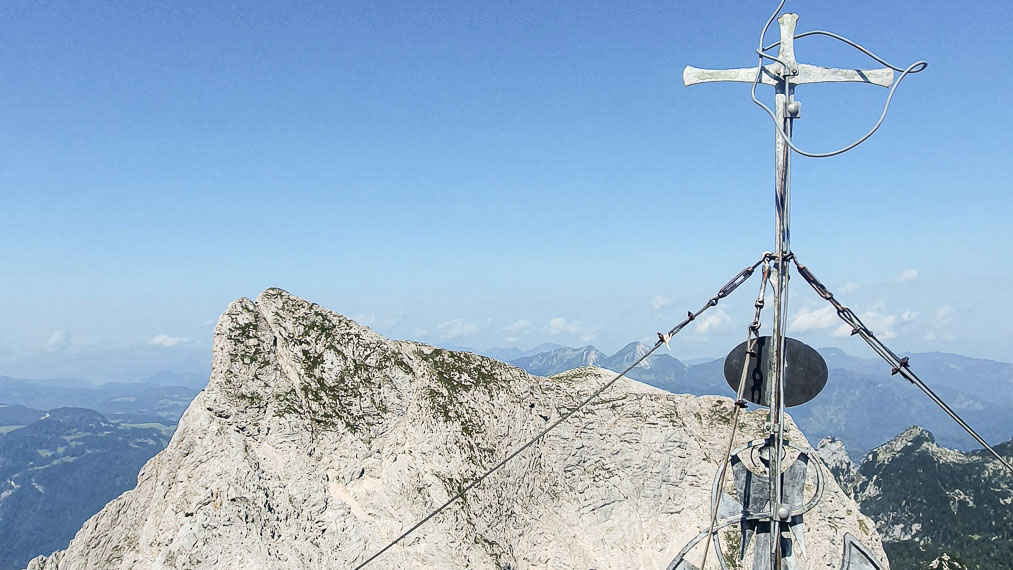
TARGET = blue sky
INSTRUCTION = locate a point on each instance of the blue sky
(490, 175)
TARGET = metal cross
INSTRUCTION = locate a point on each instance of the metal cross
(784, 76)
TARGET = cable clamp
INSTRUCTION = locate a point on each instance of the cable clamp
(902, 364)
(665, 338)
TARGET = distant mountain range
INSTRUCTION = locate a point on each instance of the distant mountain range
(121, 402)
(60, 469)
(172, 365)
(508, 354)
(934, 507)
(862, 404)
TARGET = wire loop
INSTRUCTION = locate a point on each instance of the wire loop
(915, 67)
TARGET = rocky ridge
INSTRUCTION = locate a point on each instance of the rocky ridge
(934, 507)
(317, 441)
(862, 404)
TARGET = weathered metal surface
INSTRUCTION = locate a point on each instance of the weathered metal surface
(780, 372)
(752, 489)
(857, 556)
(806, 74)
(783, 93)
(749, 506)
(805, 372)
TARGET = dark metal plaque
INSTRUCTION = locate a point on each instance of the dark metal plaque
(805, 372)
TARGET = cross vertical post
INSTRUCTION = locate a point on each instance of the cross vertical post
(784, 94)
(784, 75)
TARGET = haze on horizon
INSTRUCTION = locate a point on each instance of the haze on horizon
(491, 176)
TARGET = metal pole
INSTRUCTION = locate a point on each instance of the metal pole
(782, 187)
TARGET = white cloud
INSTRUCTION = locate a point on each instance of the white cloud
(384, 322)
(848, 287)
(713, 321)
(908, 275)
(517, 326)
(660, 302)
(363, 318)
(455, 328)
(815, 319)
(58, 341)
(560, 325)
(166, 340)
(842, 331)
(908, 316)
(883, 326)
(944, 315)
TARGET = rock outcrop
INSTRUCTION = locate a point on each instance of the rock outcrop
(317, 441)
(934, 507)
(835, 457)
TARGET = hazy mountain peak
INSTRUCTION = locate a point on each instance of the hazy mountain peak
(77, 417)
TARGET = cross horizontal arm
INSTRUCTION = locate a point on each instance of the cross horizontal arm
(816, 74)
(693, 75)
(806, 74)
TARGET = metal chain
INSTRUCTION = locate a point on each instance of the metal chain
(662, 339)
(732, 285)
(899, 365)
(752, 337)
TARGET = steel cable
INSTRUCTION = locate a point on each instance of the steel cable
(751, 337)
(898, 365)
(915, 67)
(662, 339)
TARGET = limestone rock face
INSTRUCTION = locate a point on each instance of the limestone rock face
(835, 457)
(317, 441)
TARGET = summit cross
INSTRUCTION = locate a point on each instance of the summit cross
(784, 75)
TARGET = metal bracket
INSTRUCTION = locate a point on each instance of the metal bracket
(793, 109)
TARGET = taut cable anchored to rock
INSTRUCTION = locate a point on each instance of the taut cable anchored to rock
(771, 476)
(663, 339)
(899, 365)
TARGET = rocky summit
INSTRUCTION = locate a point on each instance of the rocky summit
(936, 508)
(317, 441)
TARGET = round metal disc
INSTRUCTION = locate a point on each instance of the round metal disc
(805, 372)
